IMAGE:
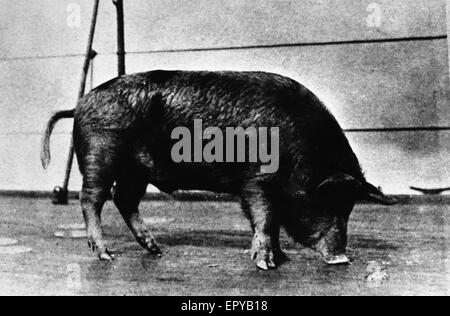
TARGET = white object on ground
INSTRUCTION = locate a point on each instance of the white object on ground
(72, 226)
(157, 220)
(71, 234)
(7, 242)
(336, 260)
(14, 250)
(376, 272)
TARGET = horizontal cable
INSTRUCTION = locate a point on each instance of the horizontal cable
(246, 47)
(352, 130)
(327, 43)
(9, 134)
(398, 129)
(40, 57)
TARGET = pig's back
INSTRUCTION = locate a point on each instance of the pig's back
(308, 131)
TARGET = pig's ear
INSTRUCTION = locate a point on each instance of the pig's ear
(371, 193)
(340, 181)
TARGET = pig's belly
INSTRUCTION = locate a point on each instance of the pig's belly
(169, 177)
(190, 177)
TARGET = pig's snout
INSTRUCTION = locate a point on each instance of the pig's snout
(331, 256)
(333, 245)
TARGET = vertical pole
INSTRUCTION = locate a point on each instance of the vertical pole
(60, 195)
(443, 140)
(448, 30)
(89, 52)
(120, 37)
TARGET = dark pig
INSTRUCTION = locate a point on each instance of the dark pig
(122, 134)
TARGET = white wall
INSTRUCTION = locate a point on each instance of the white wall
(365, 85)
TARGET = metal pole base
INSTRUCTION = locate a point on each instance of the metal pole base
(60, 196)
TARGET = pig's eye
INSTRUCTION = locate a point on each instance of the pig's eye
(300, 194)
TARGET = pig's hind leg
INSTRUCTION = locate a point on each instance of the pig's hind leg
(259, 208)
(130, 189)
(96, 160)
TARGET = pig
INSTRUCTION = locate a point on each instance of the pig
(122, 136)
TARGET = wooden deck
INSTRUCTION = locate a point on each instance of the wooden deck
(205, 253)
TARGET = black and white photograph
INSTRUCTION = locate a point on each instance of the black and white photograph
(224, 153)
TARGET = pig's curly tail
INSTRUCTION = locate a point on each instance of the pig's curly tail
(45, 144)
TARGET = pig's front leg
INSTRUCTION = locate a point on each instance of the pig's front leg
(265, 252)
(129, 192)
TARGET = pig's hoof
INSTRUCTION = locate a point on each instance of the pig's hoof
(102, 252)
(150, 245)
(265, 265)
(106, 256)
(154, 250)
(264, 260)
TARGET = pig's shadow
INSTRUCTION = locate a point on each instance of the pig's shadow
(195, 238)
(206, 238)
(243, 239)
(359, 241)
